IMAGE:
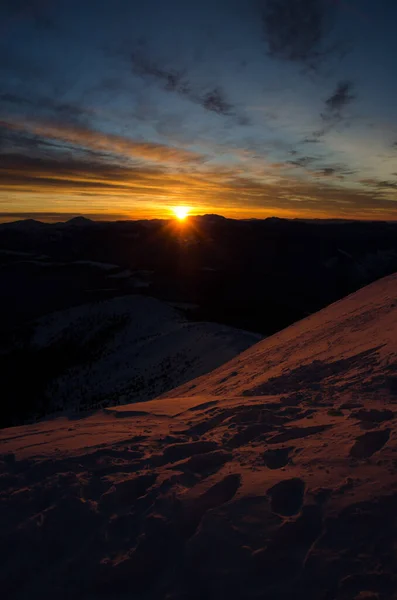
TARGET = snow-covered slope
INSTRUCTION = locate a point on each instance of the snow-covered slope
(131, 348)
(349, 346)
(272, 477)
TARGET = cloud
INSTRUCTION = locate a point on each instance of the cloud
(310, 140)
(170, 79)
(380, 184)
(66, 112)
(177, 81)
(12, 140)
(215, 101)
(19, 171)
(303, 161)
(340, 98)
(327, 171)
(334, 108)
(337, 171)
(89, 182)
(86, 138)
(296, 30)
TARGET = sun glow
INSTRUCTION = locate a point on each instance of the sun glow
(181, 212)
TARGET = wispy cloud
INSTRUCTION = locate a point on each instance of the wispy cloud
(303, 161)
(340, 98)
(170, 79)
(333, 112)
(20, 171)
(212, 99)
(380, 184)
(327, 171)
(337, 171)
(310, 140)
(215, 101)
(85, 137)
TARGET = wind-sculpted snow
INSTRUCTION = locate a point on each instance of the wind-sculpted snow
(251, 490)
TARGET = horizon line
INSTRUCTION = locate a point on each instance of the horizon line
(58, 218)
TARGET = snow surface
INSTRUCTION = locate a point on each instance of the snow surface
(137, 348)
(271, 477)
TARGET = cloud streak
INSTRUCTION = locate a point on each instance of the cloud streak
(333, 113)
(169, 79)
(341, 97)
(87, 138)
(383, 185)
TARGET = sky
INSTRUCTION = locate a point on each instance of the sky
(118, 109)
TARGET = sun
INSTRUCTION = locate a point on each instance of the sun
(181, 212)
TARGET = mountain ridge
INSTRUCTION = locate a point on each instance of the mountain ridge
(108, 352)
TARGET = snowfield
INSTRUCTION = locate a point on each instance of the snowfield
(271, 477)
(131, 348)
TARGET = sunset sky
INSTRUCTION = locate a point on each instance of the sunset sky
(247, 108)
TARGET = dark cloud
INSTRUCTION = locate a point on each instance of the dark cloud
(302, 161)
(170, 79)
(67, 172)
(327, 171)
(334, 171)
(308, 162)
(340, 98)
(380, 184)
(388, 184)
(310, 140)
(33, 139)
(11, 141)
(334, 108)
(177, 81)
(296, 30)
(17, 141)
(215, 101)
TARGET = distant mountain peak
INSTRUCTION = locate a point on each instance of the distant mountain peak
(80, 221)
(211, 217)
(24, 224)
